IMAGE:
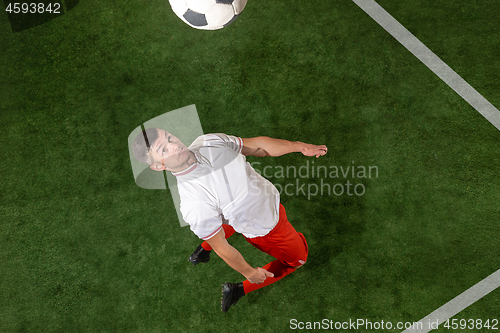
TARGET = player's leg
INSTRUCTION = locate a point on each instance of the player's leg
(285, 244)
(288, 247)
(202, 252)
(232, 292)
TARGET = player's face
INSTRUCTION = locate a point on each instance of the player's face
(169, 153)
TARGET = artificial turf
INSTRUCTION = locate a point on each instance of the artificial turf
(83, 249)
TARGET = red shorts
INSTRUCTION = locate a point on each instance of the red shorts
(283, 242)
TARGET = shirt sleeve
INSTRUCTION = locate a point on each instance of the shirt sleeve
(203, 219)
(235, 143)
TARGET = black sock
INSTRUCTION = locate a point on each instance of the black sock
(240, 292)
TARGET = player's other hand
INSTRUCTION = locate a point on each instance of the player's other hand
(314, 150)
(259, 275)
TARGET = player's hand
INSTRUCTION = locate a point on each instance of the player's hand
(259, 275)
(314, 150)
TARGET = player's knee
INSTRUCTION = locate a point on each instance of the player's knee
(302, 262)
(299, 266)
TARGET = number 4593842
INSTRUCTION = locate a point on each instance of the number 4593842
(33, 8)
(471, 324)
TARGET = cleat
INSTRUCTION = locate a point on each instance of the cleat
(231, 293)
(199, 255)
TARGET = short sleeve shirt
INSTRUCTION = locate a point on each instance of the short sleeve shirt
(222, 187)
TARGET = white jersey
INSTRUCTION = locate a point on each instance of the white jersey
(222, 187)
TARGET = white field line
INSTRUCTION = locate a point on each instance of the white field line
(468, 297)
(439, 67)
(478, 102)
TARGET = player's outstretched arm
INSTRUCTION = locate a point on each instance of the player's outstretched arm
(265, 146)
(234, 259)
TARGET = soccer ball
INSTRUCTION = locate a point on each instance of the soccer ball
(208, 14)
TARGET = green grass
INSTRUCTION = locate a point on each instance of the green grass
(83, 249)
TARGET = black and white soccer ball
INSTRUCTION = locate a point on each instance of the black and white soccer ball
(208, 14)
